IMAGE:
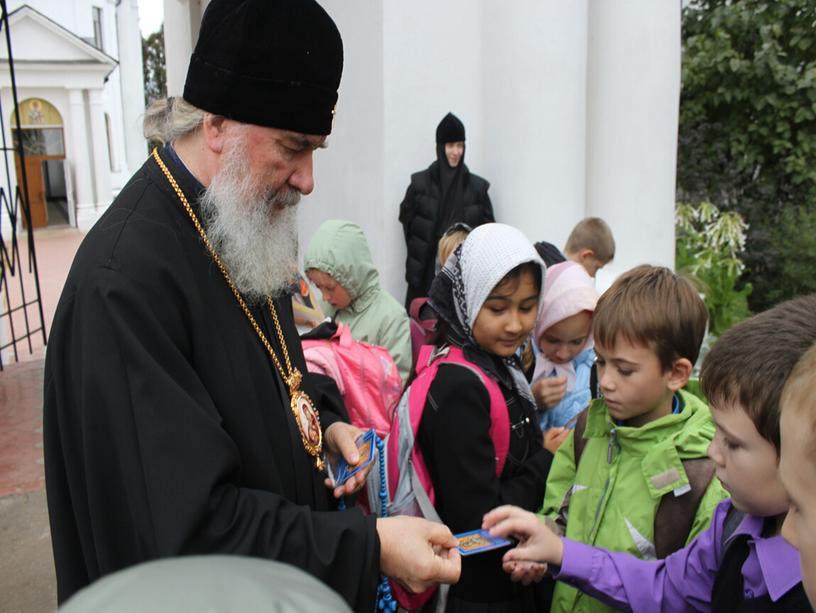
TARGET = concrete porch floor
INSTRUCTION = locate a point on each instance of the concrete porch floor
(27, 582)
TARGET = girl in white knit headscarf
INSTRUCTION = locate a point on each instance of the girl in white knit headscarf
(487, 297)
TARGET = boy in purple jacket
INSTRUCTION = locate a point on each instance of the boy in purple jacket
(741, 563)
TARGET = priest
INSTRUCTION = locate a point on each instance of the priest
(179, 416)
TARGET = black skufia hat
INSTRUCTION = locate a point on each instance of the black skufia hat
(274, 63)
(450, 130)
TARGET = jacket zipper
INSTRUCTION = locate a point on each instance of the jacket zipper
(579, 595)
(610, 449)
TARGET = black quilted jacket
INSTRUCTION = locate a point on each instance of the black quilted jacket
(419, 213)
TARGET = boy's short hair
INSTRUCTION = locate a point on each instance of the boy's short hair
(799, 393)
(592, 233)
(749, 364)
(653, 307)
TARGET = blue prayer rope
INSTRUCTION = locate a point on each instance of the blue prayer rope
(385, 600)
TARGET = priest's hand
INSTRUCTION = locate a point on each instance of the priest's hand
(418, 553)
(340, 439)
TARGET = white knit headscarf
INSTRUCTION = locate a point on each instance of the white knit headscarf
(471, 272)
(488, 253)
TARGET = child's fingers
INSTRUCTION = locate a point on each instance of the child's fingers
(560, 389)
(554, 437)
(523, 553)
(553, 383)
(525, 572)
(520, 527)
(499, 514)
(549, 392)
(561, 436)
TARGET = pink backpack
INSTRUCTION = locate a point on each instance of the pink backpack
(422, 329)
(409, 487)
(366, 376)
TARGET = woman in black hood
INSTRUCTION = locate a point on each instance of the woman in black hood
(439, 196)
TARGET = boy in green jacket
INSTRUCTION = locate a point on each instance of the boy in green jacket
(634, 475)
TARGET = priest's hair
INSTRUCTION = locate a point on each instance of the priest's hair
(253, 230)
(168, 119)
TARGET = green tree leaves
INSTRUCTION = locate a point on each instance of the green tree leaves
(155, 71)
(747, 137)
(709, 243)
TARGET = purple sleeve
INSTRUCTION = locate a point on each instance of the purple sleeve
(681, 582)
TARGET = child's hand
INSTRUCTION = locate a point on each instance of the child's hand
(554, 437)
(525, 572)
(549, 391)
(537, 543)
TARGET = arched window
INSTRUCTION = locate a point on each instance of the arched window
(40, 128)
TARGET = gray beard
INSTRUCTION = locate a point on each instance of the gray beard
(253, 231)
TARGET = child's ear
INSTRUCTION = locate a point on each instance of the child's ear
(585, 254)
(679, 374)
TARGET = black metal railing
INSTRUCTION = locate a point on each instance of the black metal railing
(14, 202)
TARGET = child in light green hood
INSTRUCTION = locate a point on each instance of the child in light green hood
(339, 264)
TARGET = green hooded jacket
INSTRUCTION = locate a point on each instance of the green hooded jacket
(623, 474)
(339, 248)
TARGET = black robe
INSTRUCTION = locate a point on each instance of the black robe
(167, 429)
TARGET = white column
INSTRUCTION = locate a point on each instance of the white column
(80, 157)
(533, 73)
(132, 82)
(633, 89)
(99, 144)
(516, 78)
(182, 21)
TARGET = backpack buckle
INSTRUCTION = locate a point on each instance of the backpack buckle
(438, 352)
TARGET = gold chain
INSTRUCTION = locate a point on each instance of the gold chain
(291, 376)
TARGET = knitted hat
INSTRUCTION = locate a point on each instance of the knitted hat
(450, 130)
(569, 290)
(488, 253)
(274, 63)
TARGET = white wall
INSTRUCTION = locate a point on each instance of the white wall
(515, 78)
(533, 67)
(570, 110)
(182, 19)
(74, 15)
(432, 67)
(131, 76)
(633, 97)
